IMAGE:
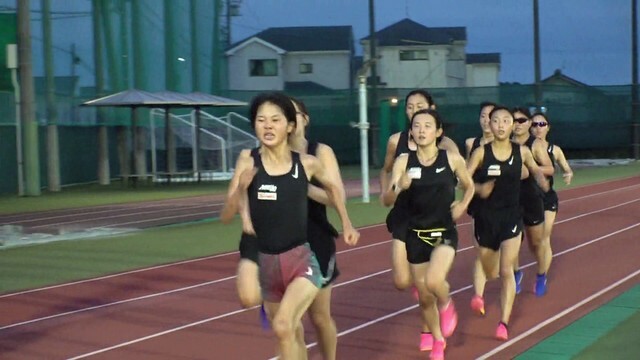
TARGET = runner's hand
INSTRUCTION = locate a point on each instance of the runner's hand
(567, 177)
(457, 210)
(247, 177)
(351, 236)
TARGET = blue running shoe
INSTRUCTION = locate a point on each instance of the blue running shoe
(541, 284)
(518, 274)
(264, 319)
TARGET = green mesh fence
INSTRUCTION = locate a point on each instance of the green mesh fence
(158, 45)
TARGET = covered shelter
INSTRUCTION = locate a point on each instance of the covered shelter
(134, 99)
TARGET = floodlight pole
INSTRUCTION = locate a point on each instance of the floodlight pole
(12, 64)
(536, 54)
(363, 125)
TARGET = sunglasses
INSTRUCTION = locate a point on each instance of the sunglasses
(521, 120)
(539, 124)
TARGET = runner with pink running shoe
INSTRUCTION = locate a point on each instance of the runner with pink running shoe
(428, 177)
(498, 221)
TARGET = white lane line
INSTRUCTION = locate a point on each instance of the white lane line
(128, 215)
(342, 333)
(119, 302)
(228, 254)
(165, 266)
(107, 211)
(468, 287)
(559, 315)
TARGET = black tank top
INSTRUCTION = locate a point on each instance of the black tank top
(529, 185)
(402, 148)
(431, 192)
(506, 192)
(475, 145)
(403, 144)
(318, 211)
(278, 206)
(553, 163)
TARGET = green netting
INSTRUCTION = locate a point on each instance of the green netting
(7, 36)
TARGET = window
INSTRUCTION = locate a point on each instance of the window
(306, 68)
(263, 67)
(408, 55)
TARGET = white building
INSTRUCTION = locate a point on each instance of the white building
(315, 57)
(411, 55)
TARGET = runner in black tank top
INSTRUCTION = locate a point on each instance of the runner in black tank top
(428, 177)
(540, 129)
(397, 145)
(264, 185)
(321, 234)
(532, 201)
(498, 222)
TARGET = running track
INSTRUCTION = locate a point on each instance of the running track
(188, 310)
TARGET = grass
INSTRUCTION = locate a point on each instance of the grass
(118, 193)
(46, 264)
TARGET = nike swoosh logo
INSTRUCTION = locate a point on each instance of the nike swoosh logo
(439, 170)
(295, 172)
(514, 229)
(309, 271)
(511, 160)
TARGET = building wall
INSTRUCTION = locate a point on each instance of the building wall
(238, 65)
(436, 72)
(330, 69)
(483, 75)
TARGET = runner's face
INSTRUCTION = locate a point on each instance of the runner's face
(415, 102)
(501, 124)
(424, 130)
(484, 119)
(271, 125)
(542, 127)
(518, 128)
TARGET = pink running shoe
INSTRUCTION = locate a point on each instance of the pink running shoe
(438, 350)
(415, 293)
(448, 319)
(426, 341)
(502, 333)
(477, 305)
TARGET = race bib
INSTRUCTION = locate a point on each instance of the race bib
(494, 170)
(414, 173)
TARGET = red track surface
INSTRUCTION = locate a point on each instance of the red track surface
(189, 310)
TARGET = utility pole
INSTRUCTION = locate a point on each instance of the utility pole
(536, 55)
(104, 174)
(635, 101)
(216, 49)
(195, 63)
(27, 103)
(375, 130)
(53, 152)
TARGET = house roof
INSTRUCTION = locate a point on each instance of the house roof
(305, 38)
(408, 32)
(483, 58)
(558, 78)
